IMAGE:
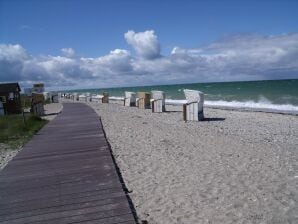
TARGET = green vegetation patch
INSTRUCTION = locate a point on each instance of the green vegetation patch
(14, 132)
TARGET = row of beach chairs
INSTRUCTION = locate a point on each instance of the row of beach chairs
(193, 105)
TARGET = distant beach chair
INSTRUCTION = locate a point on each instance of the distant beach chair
(55, 98)
(82, 97)
(143, 101)
(76, 96)
(130, 99)
(193, 110)
(88, 97)
(105, 98)
(158, 101)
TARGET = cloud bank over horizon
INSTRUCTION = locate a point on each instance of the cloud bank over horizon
(234, 58)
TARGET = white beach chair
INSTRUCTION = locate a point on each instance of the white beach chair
(130, 99)
(55, 98)
(82, 97)
(88, 97)
(76, 96)
(158, 101)
(193, 110)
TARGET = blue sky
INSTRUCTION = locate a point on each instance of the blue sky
(92, 29)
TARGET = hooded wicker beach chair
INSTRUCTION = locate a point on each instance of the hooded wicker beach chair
(193, 110)
(158, 101)
(143, 101)
(82, 97)
(130, 99)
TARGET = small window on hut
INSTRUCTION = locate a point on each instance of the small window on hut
(11, 96)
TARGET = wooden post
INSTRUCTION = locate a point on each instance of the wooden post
(23, 113)
(37, 104)
(24, 119)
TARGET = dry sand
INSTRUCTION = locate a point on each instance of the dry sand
(235, 167)
(7, 153)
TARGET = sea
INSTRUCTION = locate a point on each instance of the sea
(279, 96)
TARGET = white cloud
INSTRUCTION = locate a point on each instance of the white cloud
(11, 52)
(247, 57)
(68, 52)
(145, 43)
(12, 58)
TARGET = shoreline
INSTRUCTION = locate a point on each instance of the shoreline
(230, 108)
(248, 109)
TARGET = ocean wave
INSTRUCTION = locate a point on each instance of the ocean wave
(263, 105)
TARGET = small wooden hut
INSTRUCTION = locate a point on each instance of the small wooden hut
(11, 98)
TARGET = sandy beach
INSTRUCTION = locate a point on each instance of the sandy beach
(235, 167)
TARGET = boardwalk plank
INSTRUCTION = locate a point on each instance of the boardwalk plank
(65, 174)
(113, 207)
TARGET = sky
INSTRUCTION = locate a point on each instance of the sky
(70, 44)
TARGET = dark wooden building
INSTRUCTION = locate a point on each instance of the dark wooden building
(10, 97)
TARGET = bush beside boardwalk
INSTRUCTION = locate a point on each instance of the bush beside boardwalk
(14, 134)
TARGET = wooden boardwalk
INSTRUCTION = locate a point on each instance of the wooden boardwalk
(65, 174)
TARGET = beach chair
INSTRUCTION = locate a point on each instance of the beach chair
(82, 97)
(76, 96)
(105, 98)
(55, 98)
(193, 110)
(144, 100)
(88, 97)
(158, 101)
(37, 104)
(130, 99)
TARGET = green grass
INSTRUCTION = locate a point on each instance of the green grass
(25, 101)
(13, 131)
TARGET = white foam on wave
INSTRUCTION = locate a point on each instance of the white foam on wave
(263, 105)
(253, 105)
